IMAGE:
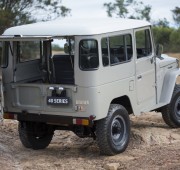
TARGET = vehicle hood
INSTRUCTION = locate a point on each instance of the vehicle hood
(166, 60)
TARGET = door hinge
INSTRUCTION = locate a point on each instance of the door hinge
(154, 85)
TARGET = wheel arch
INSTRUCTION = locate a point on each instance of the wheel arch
(124, 101)
(170, 79)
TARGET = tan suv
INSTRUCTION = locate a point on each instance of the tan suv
(86, 76)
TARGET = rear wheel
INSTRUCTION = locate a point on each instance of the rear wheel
(113, 131)
(171, 112)
(35, 135)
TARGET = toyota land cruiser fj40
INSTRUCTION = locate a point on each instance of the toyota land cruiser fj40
(86, 76)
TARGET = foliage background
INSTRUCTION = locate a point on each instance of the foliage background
(168, 36)
(18, 12)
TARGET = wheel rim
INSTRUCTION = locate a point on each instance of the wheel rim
(177, 108)
(118, 130)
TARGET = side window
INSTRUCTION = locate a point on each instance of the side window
(129, 47)
(143, 43)
(28, 50)
(116, 49)
(88, 59)
(120, 49)
(104, 48)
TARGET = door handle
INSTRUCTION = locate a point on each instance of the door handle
(139, 77)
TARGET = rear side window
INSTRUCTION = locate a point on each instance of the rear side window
(29, 50)
(119, 51)
(88, 59)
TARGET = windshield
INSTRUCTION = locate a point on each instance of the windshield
(62, 59)
(63, 46)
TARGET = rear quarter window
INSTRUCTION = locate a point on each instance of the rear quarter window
(88, 54)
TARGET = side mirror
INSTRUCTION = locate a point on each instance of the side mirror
(66, 48)
(159, 50)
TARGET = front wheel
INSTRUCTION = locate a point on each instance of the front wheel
(35, 135)
(113, 132)
(171, 112)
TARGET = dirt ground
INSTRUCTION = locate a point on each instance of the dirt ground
(153, 145)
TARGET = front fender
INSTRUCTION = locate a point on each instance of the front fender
(168, 85)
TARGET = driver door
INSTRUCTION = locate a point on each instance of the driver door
(145, 67)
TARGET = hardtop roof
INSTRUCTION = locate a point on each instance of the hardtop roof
(72, 27)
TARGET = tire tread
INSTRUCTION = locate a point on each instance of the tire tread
(29, 141)
(166, 110)
(101, 131)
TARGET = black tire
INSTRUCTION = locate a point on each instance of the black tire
(35, 135)
(113, 132)
(23, 134)
(171, 112)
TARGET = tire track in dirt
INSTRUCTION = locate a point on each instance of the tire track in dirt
(153, 145)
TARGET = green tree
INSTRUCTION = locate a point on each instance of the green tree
(162, 36)
(119, 8)
(176, 15)
(18, 12)
(128, 9)
(56, 47)
(168, 37)
(161, 23)
(175, 41)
